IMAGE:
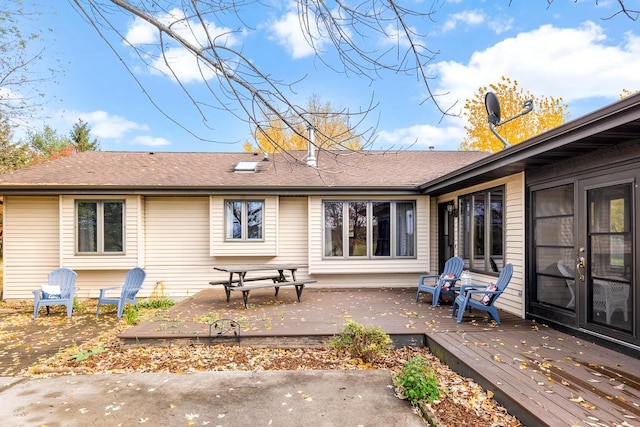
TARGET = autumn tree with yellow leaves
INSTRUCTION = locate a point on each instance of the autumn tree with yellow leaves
(548, 113)
(332, 130)
(627, 93)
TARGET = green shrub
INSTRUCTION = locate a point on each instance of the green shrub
(79, 306)
(418, 381)
(131, 314)
(368, 344)
(159, 303)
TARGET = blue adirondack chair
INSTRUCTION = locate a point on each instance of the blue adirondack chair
(451, 274)
(61, 291)
(132, 283)
(487, 298)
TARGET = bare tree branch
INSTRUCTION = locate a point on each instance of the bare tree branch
(20, 86)
(632, 14)
(245, 90)
(340, 32)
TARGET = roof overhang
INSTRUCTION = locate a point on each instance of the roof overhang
(615, 124)
(57, 190)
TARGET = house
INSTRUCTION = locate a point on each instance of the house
(561, 207)
(180, 214)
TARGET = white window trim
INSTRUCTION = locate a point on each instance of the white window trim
(100, 227)
(244, 220)
(369, 209)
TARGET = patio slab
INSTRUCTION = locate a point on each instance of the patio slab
(295, 398)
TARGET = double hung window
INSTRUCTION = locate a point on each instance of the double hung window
(244, 220)
(100, 226)
(369, 229)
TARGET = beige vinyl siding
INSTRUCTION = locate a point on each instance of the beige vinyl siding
(367, 280)
(325, 266)
(132, 257)
(31, 244)
(177, 245)
(293, 232)
(513, 298)
(432, 268)
(222, 247)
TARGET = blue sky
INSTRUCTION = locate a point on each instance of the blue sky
(565, 50)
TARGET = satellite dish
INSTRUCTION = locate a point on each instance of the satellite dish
(493, 112)
(493, 107)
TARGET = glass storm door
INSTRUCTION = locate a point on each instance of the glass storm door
(605, 261)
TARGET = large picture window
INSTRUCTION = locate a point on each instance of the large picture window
(482, 230)
(368, 229)
(100, 226)
(244, 219)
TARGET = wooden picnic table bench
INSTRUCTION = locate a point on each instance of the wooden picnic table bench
(299, 284)
(274, 278)
(277, 281)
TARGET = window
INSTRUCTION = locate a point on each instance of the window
(100, 226)
(244, 219)
(367, 229)
(482, 230)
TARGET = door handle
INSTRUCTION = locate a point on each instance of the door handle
(580, 265)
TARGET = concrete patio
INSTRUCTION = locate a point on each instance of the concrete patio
(542, 376)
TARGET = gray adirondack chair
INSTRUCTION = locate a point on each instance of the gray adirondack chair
(132, 283)
(451, 274)
(65, 280)
(464, 299)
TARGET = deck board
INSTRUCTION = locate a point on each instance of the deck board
(541, 375)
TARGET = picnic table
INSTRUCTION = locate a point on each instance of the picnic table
(240, 281)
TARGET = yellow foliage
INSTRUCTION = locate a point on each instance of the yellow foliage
(627, 93)
(332, 131)
(548, 113)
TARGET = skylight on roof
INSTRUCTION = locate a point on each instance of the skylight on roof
(246, 167)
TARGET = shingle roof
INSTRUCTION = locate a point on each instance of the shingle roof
(210, 171)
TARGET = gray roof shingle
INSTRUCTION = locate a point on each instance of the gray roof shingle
(210, 171)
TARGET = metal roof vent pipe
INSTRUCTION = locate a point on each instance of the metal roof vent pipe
(311, 156)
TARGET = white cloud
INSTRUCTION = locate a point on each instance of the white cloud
(568, 63)
(141, 32)
(181, 62)
(288, 33)
(474, 18)
(397, 37)
(104, 125)
(468, 17)
(110, 129)
(500, 25)
(150, 141)
(422, 137)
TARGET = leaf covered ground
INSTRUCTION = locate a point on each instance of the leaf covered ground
(54, 345)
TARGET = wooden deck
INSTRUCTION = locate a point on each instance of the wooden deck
(542, 376)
